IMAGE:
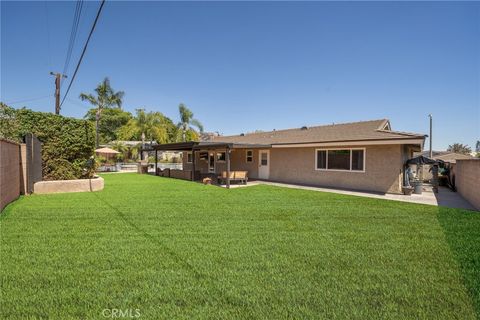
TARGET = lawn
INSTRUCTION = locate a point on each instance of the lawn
(178, 250)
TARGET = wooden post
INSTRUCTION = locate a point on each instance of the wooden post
(58, 79)
(227, 155)
(193, 164)
(156, 160)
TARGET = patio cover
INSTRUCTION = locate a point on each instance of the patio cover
(193, 145)
(420, 160)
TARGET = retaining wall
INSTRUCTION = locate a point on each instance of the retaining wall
(65, 186)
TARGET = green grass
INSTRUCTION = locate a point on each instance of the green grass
(178, 250)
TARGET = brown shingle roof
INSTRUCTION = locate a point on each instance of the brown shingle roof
(354, 131)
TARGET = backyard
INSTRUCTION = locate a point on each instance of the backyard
(176, 249)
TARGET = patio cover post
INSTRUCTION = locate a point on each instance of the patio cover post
(156, 160)
(227, 155)
(193, 164)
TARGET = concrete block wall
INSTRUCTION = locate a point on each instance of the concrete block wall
(32, 159)
(467, 180)
(10, 172)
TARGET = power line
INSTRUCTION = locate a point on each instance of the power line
(83, 52)
(78, 104)
(28, 99)
(73, 35)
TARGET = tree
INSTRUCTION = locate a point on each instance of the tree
(105, 98)
(122, 148)
(151, 126)
(112, 119)
(67, 143)
(184, 129)
(459, 148)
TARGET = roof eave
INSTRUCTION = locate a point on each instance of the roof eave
(416, 141)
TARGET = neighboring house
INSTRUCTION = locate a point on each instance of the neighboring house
(364, 155)
(207, 136)
(446, 156)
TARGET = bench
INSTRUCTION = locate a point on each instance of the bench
(241, 176)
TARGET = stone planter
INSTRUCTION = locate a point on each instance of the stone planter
(62, 186)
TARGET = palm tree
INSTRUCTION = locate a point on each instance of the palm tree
(147, 125)
(186, 121)
(459, 148)
(105, 97)
(122, 148)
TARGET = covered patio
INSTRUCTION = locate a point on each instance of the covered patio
(210, 160)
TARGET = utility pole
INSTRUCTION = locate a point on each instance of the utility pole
(431, 151)
(58, 78)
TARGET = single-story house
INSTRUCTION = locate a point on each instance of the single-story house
(365, 155)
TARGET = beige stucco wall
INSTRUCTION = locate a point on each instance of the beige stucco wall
(10, 172)
(239, 162)
(467, 180)
(383, 169)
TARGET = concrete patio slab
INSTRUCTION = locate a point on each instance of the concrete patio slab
(445, 197)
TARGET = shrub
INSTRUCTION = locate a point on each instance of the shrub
(67, 143)
(91, 166)
(101, 159)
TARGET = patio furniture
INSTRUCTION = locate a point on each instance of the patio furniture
(241, 176)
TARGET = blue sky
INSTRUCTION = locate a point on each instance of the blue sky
(242, 66)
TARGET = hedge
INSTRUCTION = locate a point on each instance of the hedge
(67, 143)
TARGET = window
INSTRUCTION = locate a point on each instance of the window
(221, 156)
(249, 155)
(321, 159)
(264, 158)
(340, 159)
(203, 156)
(357, 160)
(189, 157)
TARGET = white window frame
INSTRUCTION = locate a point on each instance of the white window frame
(216, 156)
(191, 157)
(246, 156)
(341, 170)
